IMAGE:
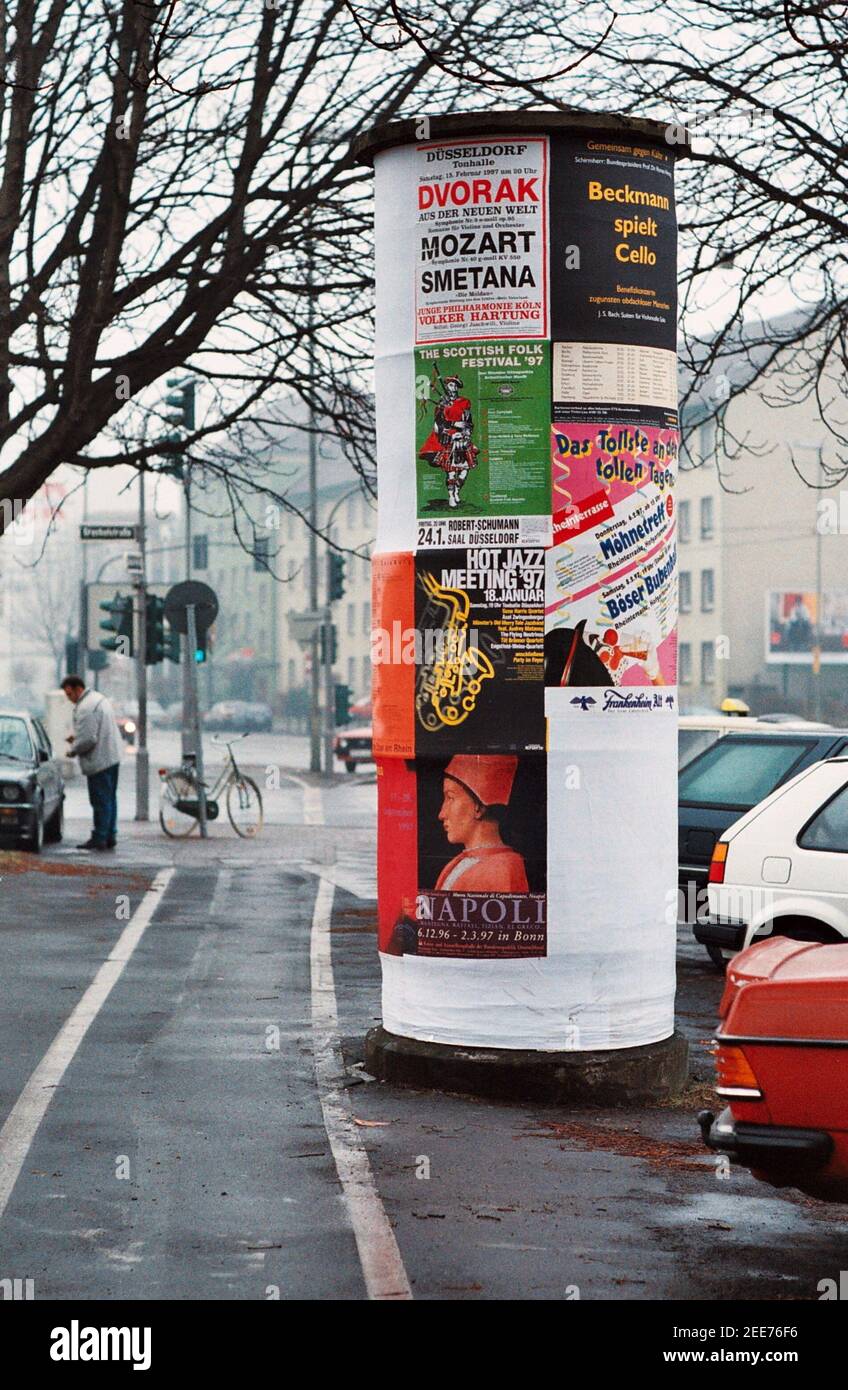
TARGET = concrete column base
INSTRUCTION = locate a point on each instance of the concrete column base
(627, 1076)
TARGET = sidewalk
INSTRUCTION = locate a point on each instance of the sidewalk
(259, 756)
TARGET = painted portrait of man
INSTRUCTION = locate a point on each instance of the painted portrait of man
(475, 794)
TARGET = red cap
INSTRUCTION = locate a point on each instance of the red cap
(487, 777)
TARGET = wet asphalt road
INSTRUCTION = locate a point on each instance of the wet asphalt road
(184, 1153)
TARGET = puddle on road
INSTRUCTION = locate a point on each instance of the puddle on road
(748, 1218)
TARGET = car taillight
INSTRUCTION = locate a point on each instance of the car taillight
(736, 1077)
(718, 862)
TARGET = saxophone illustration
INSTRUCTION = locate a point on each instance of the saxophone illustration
(448, 687)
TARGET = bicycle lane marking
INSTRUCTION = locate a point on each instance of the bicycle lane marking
(382, 1266)
(313, 801)
(25, 1117)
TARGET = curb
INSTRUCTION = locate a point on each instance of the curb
(626, 1076)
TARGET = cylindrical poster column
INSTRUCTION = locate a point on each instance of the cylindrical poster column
(525, 605)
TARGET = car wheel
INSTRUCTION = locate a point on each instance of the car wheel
(719, 957)
(350, 765)
(35, 842)
(55, 828)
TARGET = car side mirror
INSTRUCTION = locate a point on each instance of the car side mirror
(43, 755)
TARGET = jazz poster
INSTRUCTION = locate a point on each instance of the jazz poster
(458, 651)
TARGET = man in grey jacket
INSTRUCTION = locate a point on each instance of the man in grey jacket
(96, 741)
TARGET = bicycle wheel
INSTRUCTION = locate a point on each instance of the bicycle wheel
(174, 822)
(244, 807)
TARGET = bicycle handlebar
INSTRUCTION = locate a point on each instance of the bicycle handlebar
(216, 738)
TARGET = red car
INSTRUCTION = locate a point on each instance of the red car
(781, 1052)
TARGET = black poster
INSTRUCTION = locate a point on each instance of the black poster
(479, 619)
(613, 271)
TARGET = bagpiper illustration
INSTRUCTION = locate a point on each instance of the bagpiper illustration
(449, 445)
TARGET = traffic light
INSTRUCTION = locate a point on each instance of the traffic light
(161, 641)
(154, 630)
(118, 626)
(329, 649)
(342, 715)
(181, 401)
(203, 646)
(335, 577)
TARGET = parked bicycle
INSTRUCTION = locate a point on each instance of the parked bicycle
(179, 808)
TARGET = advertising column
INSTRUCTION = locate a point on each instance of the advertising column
(524, 642)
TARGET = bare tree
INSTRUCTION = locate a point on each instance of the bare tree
(763, 201)
(178, 193)
(47, 610)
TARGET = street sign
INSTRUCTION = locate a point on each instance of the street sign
(204, 600)
(303, 627)
(108, 533)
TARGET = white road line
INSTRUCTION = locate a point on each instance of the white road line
(382, 1266)
(29, 1109)
(219, 897)
(313, 802)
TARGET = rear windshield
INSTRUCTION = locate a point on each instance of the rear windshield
(739, 772)
(691, 742)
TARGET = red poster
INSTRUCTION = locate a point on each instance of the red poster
(393, 654)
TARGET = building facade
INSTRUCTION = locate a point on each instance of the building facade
(262, 576)
(763, 563)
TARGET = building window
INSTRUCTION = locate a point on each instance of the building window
(684, 523)
(351, 619)
(292, 673)
(366, 677)
(707, 591)
(707, 518)
(351, 672)
(685, 591)
(707, 663)
(685, 663)
(366, 620)
(200, 557)
(351, 511)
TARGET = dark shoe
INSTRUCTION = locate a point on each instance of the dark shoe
(91, 844)
(110, 844)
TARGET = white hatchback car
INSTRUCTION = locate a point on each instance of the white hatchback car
(782, 868)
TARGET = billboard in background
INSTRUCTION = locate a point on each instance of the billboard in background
(792, 618)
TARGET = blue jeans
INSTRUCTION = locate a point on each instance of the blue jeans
(103, 795)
